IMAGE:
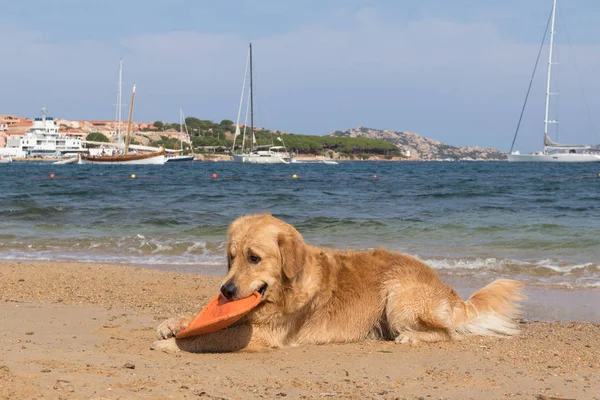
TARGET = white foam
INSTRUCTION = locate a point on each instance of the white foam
(195, 246)
(551, 264)
(471, 264)
(495, 264)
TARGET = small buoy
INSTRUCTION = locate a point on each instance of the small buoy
(294, 176)
(214, 176)
(374, 176)
(51, 176)
(132, 176)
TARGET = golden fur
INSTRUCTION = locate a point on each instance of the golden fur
(316, 295)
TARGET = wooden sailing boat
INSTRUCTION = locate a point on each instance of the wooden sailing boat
(125, 158)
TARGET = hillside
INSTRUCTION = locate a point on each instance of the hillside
(422, 148)
(206, 134)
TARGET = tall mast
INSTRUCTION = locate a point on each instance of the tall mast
(251, 102)
(547, 121)
(119, 106)
(188, 139)
(128, 138)
(180, 129)
(245, 123)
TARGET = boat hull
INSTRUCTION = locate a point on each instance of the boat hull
(261, 159)
(130, 159)
(559, 157)
(72, 160)
(179, 159)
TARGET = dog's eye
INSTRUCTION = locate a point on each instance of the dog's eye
(254, 259)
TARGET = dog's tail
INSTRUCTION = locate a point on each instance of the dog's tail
(489, 311)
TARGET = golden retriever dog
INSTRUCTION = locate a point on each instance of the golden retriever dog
(313, 295)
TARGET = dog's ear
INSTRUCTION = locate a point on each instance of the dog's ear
(293, 252)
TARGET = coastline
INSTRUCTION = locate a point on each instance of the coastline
(300, 157)
(75, 330)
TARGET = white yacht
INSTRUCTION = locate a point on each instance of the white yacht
(553, 151)
(268, 155)
(253, 154)
(179, 156)
(43, 140)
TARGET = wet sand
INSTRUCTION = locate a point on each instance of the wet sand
(83, 331)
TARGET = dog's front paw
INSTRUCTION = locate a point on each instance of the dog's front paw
(171, 327)
(407, 338)
(168, 346)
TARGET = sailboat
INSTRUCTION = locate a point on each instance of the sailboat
(126, 157)
(554, 151)
(180, 157)
(256, 154)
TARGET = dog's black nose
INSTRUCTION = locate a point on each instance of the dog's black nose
(229, 290)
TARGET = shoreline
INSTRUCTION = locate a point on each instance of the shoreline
(303, 157)
(544, 303)
(74, 330)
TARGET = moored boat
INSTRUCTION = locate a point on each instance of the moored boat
(253, 154)
(126, 157)
(42, 140)
(553, 151)
(179, 156)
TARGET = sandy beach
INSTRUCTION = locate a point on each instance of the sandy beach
(83, 331)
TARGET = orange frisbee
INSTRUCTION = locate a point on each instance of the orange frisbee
(219, 313)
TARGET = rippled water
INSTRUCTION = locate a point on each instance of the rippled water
(537, 222)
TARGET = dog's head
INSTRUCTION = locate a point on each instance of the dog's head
(263, 254)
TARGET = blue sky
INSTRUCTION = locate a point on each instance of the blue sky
(455, 71)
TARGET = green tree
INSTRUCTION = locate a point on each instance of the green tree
(96, 137)
(159, 125)
(192, 122)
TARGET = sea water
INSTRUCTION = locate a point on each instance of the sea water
(472, 221)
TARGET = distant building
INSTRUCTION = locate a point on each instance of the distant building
(18, 127)
(9, 119)
(70, 124)
(76, 133)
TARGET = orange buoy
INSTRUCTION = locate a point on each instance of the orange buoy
(214, 176)
(219, 313)
(374, 176)
(51, 176)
